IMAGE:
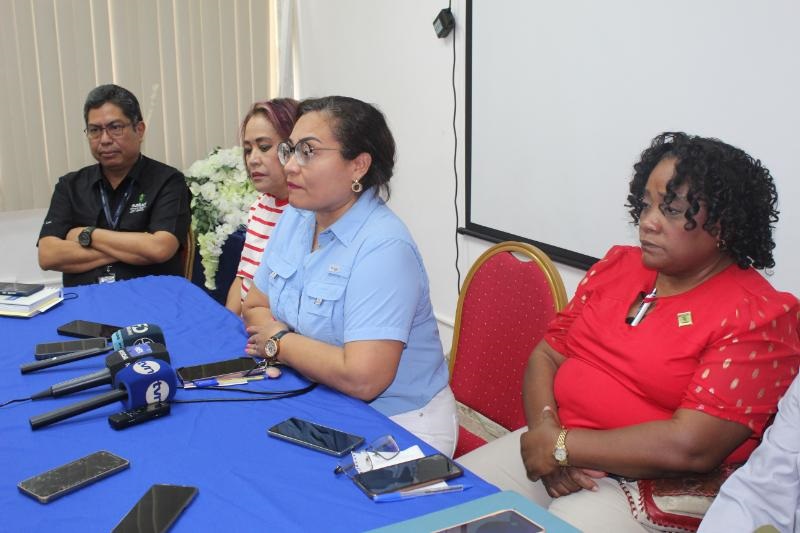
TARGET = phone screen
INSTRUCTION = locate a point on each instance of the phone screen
(85, 329)
(507, 521)
(66, 478)
(315, 436)
(156, 511)
(238, 366)
(408, 475)
(50, 349)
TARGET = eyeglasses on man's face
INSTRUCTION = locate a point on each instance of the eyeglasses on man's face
(115, 129)
(384, 447)
(303, 152)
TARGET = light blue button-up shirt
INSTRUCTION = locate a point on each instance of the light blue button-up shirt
(365, 281)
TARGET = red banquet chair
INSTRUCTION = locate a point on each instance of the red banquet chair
(509, 296)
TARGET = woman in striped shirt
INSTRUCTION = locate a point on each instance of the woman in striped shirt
(265, 125)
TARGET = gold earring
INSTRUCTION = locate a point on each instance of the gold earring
(356, 186)
(722, 245)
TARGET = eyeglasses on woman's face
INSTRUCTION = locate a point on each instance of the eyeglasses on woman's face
(303, 152)
(384, 447)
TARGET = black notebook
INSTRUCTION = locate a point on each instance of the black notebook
(19, 289)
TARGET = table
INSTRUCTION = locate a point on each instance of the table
(247, 481)
(475, 509)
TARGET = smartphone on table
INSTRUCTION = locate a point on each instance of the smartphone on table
(46, 350)
(230, 368)
(19, 289)
(407, 475)
(84, 329)
(62, 480)
(315, 436)
(157, 510)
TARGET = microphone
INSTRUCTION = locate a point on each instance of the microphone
(61, 359)
(115, 362)
(121, 338)
(137, 334)
(145, 382)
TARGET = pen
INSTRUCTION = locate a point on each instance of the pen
(398, 496)
(214, 382)
(646, 301)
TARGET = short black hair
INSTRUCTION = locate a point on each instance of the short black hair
(359, 127)
(119, 96)
(737, 190)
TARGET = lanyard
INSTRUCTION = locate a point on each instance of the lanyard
(114, 222)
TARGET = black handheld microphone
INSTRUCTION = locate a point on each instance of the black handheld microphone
(144, 382)
(61, 359)
(115, 362)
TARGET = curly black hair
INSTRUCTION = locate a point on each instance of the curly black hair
(737, 190)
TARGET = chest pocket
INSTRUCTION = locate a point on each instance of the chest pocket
(283, 296)
(322, 309)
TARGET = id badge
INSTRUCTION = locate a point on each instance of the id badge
(107, 277)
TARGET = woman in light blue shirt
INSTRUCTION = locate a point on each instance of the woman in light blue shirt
(342, 294)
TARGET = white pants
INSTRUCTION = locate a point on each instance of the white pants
(436, 422)
(500, 463)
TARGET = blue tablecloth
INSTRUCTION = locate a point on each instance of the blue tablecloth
(247, 481)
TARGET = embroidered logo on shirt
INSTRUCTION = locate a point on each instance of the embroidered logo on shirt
(684, 319)
(138, 207)
(333, 269)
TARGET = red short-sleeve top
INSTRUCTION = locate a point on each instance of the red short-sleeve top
(728, 347)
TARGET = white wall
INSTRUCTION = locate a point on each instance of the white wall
(19, 231)
(386, 52)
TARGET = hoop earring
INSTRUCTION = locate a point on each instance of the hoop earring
(356, 186)
(722, 245)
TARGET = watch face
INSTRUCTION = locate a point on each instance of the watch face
(560, 454)
(271, 348)
(84, 238)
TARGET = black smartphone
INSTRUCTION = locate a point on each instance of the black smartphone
(157, 510)
(85, 329)
(19, 289)
(59, 481)
(230, 368)
(407, 475)
(50, 349)
(125, 419)
(507, 521)
(315, 436)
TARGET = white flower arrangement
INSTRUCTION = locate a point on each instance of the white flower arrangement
(221, 199)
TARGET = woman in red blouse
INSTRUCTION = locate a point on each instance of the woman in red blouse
(671, 357)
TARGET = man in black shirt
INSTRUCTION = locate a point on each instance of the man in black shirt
(125, 217)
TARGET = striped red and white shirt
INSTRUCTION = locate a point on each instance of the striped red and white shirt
(263, 216)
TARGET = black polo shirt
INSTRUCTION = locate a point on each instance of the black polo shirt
(159, 201)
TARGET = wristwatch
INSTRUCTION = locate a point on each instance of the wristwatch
(273, 346)
(560, 451)
(85, 236)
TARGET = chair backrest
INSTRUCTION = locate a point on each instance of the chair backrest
(509, 296)
(187, 254)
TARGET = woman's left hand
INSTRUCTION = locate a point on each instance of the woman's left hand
(259, 335)
(537, 445)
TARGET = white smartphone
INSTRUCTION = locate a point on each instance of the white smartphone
(64, 479)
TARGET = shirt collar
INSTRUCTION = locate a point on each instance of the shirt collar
(348, 225)
(134, 173)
